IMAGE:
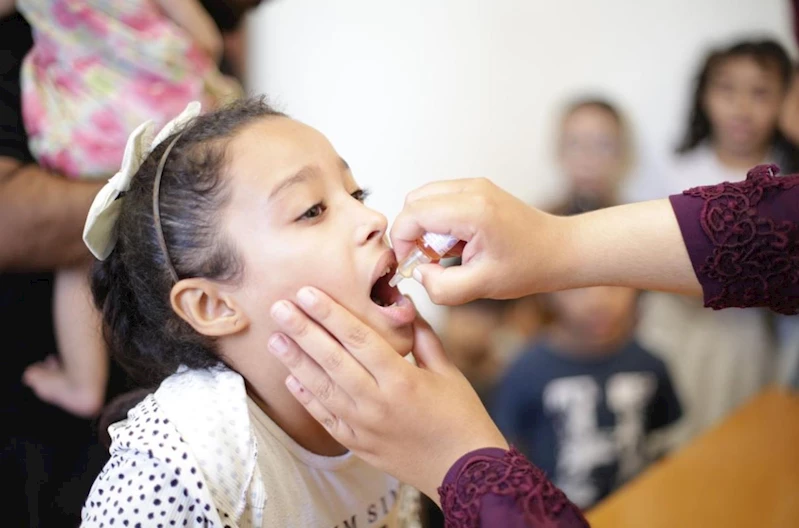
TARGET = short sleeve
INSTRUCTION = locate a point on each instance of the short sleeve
(137, 490)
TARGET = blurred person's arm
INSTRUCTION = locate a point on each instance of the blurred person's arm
(7, 7)
(192, 17)
(235, 44)
(230, 18)
(41, 217)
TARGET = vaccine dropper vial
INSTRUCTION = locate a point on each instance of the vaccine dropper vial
(431, 247)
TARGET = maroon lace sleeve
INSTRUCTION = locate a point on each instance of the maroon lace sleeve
(743, 240)
(496, 488)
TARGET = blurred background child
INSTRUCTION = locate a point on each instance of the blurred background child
(483, 337)
(721, 359)
(583, 400)
(594, 154)
(97, 70)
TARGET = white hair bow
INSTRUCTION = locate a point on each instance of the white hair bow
(99, 233)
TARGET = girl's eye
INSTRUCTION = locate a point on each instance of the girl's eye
(361, 195)
(314, 212)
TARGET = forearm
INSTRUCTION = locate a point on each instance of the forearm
(7, 7)
(235, 46)
(195, 20)
(41, 218)
(636, 245)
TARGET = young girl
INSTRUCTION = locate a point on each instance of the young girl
(229, 213)
(720, 359)
(97, 69)
(593, 154)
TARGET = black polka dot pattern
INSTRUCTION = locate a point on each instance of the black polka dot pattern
(139, 488)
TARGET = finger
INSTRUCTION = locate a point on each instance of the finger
(334, 424)
(373, 353)
(454, 186)
(457, 250)
(312, 344)
(446, 214)
(427, 348)
(452, 285)
(310, 374)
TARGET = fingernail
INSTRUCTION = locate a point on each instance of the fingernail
(417, 275)
(293, 385)
(281, 311)
(278, 344)
(307, 297)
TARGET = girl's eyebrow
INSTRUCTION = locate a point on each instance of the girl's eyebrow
(306, 173)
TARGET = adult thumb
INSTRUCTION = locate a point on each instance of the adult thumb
(448, 286)
(427, 348)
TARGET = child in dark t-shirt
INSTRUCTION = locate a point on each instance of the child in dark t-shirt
(582, 401)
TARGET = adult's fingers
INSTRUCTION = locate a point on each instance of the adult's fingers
(314, 356)
(440, 187)
(364, 344)
(335, 425)
(311, 375)
(457, 215)
(427, 348)
(453, 285)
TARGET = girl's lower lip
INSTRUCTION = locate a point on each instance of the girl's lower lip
(402, 313)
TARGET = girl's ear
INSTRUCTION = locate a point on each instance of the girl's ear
(207, 307)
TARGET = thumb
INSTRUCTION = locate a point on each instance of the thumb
(451, 285)
(427, 348)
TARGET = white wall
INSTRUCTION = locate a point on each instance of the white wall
(419, 90)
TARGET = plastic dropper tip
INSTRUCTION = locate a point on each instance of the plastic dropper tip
(395, 280)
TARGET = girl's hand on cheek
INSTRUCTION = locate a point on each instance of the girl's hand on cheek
(411, 421)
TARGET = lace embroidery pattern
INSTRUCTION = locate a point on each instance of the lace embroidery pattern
(754, 258)
(510, 476)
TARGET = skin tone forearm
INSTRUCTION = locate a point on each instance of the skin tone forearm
(195, 20)
(7, 7)
(236, 51)
(637, 245)
(41, 218)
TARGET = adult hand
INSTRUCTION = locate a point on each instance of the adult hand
(410, 421)
(511, 249)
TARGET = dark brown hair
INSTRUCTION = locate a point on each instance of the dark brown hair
(768, 54)
(132, 286)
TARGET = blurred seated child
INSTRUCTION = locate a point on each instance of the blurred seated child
(582, 400)
(593, 154)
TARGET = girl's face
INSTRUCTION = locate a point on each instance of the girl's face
(297, 218)
(591, 151)
(743, 100)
